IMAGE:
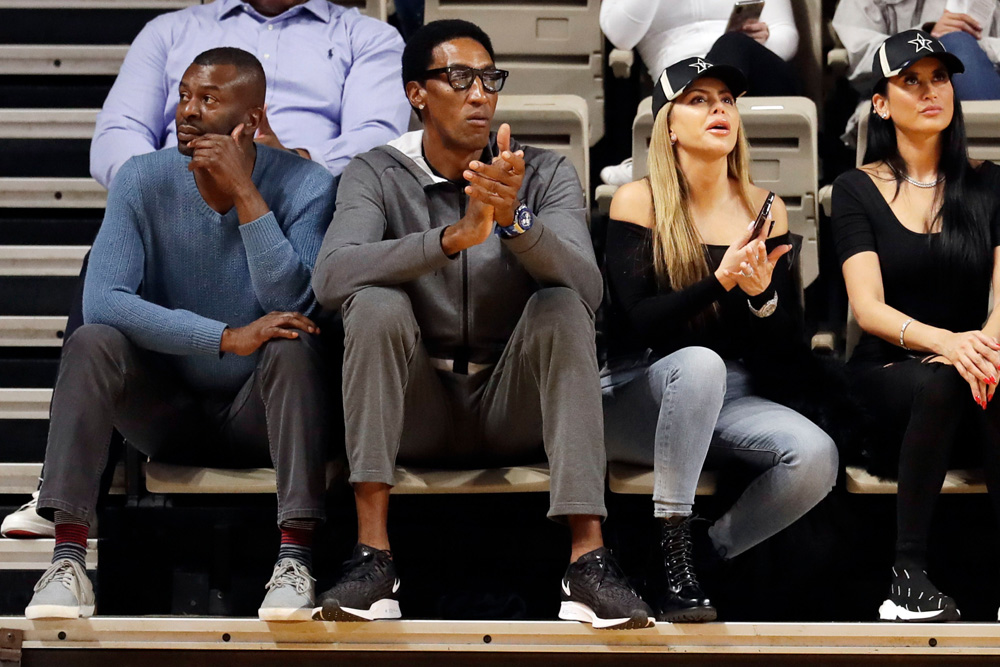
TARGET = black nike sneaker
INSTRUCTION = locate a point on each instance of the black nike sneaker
(680, 597)
(366, 590)
(595, 591)
(912, 597)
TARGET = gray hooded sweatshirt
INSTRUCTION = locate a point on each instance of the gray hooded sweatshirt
(391, 213)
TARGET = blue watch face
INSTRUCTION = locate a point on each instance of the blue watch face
(524, 217)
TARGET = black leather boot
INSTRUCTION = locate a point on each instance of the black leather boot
(680, 598)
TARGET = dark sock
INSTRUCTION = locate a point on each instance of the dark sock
(296, 540)
(911, 558)
(71, 538)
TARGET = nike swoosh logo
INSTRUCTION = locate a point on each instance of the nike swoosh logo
(565, 587)
(395, 586)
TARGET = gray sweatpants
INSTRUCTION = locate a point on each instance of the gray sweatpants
(279, 417)
(542, 398)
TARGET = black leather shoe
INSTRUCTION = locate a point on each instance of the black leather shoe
(680, 599)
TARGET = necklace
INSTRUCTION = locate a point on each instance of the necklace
(920, 184)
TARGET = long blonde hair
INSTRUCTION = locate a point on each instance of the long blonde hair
(678, 256)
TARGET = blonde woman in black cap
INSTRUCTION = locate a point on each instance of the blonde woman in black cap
(917, 230)
(695, 293)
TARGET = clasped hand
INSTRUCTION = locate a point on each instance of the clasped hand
(493, 195)
(246, 340)
(976, 357)
(748, 265)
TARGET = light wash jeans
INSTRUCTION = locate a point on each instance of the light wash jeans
(692, 409)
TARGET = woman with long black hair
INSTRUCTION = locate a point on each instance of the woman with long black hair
(917, 230)
(699, 300)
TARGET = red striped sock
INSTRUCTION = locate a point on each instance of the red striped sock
(71, 538)
(297, 540)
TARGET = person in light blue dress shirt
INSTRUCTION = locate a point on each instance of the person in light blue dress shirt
(333, 80)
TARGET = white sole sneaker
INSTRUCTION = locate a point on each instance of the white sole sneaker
(889, 611)
(577, 611)
(41, 611)
(25, 523)
(384, 609)
(275, 615)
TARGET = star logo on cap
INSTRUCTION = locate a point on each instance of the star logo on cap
(701, 65)
(921, 43)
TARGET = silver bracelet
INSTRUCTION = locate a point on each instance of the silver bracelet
(767, 309)
(902, 330)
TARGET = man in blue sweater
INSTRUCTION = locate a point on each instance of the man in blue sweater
(197, 345)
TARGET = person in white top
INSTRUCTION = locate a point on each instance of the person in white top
(668, 31)
(970, 29)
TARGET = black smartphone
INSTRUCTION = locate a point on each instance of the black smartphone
(765, 213)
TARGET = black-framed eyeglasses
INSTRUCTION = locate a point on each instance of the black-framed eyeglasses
(461, 77)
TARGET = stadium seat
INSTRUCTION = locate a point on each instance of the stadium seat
(860, 481)
(783, 157)
(551, 47)
(168, 478)
(638, 480)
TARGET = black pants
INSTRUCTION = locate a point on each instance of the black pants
(279, 417)
(74, 321)
(767, 74)
(923, 409)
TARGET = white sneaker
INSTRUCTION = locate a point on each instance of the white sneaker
(618, 174)
(64, 591)
(24, 522)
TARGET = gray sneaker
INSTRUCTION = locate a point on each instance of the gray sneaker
(64, 591)
(290, 593)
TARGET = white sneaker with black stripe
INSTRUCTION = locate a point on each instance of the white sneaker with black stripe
(913, 598)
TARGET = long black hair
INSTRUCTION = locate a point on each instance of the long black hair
(964, 212)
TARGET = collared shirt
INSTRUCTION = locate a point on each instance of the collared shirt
(334, 84)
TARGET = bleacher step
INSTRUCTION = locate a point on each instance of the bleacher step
(42, 260)
(31, 554)
(47, 123)
(25, 404)
(561, 640)
(51, 192)
(40, 331)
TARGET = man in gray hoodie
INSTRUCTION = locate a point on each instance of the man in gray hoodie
(465, 274)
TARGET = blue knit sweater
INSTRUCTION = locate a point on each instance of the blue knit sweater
(171, 273)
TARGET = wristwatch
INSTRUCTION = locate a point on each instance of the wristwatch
(767, 309)
(523, 220)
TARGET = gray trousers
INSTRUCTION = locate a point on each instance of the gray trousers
(543, 398)
(279, 418)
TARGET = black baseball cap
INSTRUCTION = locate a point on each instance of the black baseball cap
(683, 73)
(907, 47)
